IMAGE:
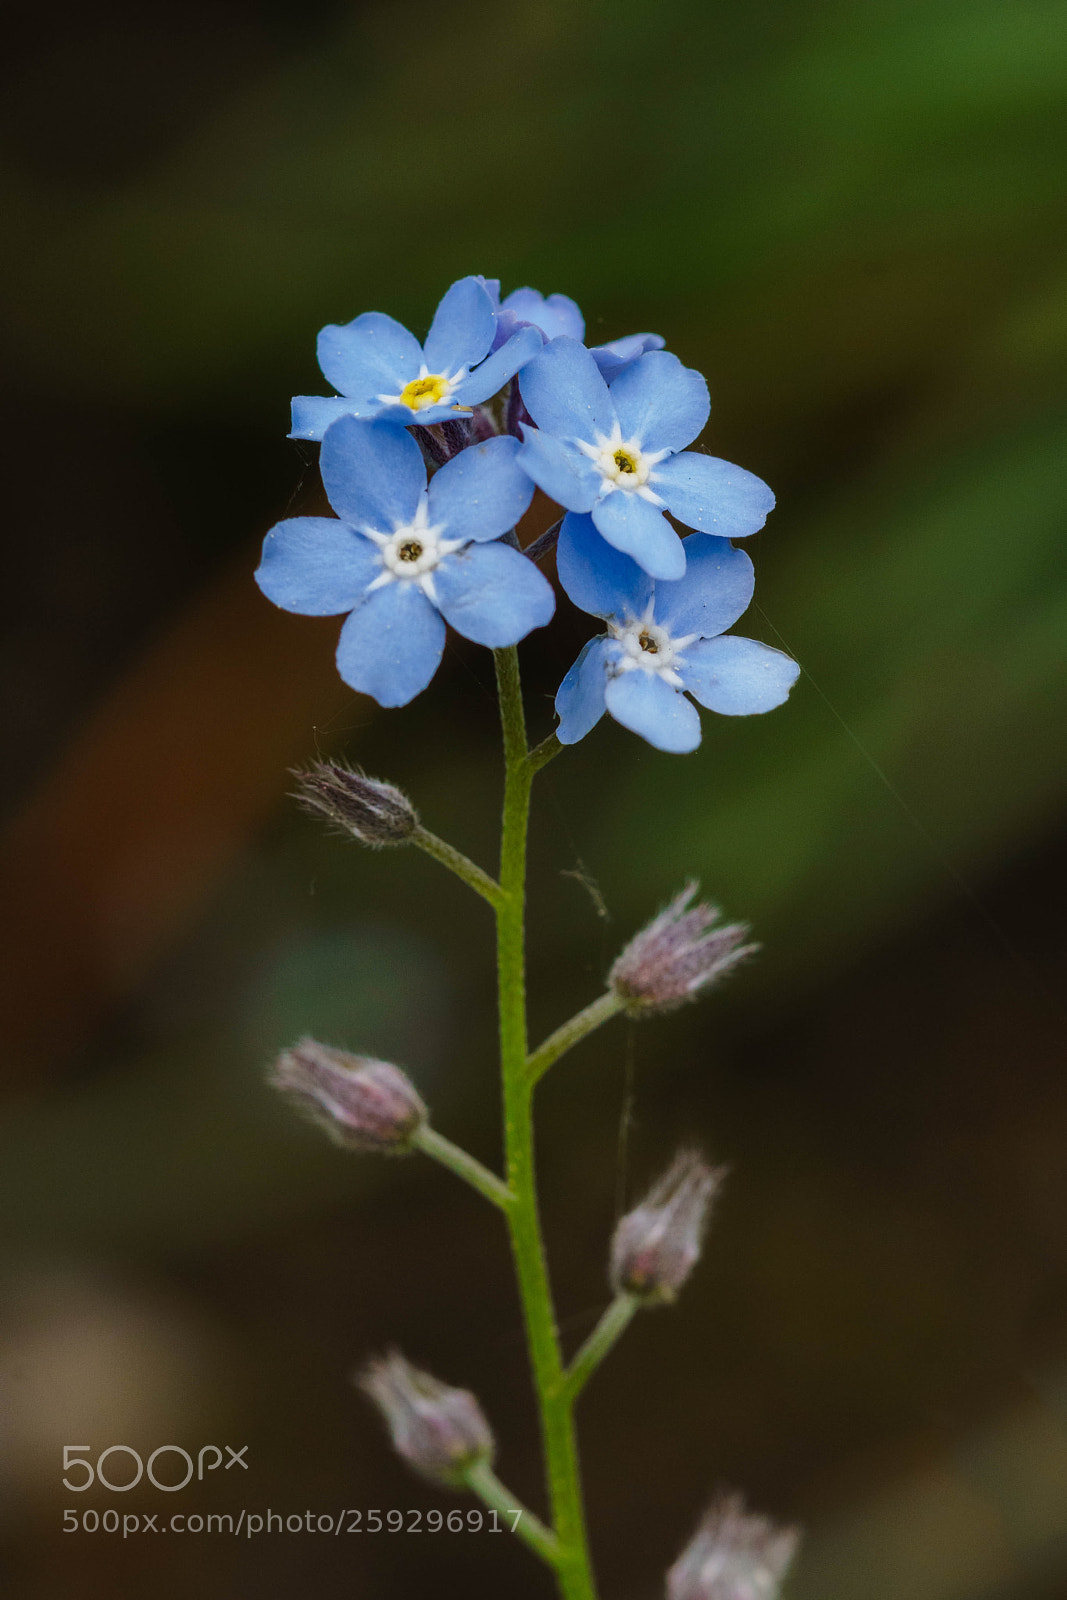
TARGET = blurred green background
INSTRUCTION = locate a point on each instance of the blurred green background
(852, 219)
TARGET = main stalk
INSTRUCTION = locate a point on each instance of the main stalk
(574, 1571)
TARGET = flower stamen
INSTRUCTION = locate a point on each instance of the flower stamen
(429, 390)
(648, 647)
(412, 552)
(623, 464)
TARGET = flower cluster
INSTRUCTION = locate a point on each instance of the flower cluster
(430, 454)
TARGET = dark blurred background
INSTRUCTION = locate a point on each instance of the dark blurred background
(852, 218)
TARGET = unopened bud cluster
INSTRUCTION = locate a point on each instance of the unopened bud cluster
(371, 811)
(734, 1555)
(680, 953)
(656, 1245)
(363, 1104)
(440, 1431)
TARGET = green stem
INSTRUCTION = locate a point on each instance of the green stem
(518, 1520)
(558, 1043)
(573, 1569)
(460, 864)
(465, 1166)
(612, 1324)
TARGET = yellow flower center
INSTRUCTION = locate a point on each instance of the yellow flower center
(410, 551)
(624, 461)
(422, 392)
(647, 642)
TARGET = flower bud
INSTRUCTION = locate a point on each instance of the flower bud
(440, 1431)
(375, 813)
(363, 1104)
(734, 1555)
(657, 1245)
(680, 953)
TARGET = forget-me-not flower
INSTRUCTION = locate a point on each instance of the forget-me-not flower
(558, 317)
(404, 559)
(380, 369)
(664, 640)
(620, 453)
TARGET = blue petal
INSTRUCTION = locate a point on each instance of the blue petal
(405, 417)
(636, 527)
(580, 698)
(556, 315)
(596, 576)
(462, 328)
(507, 325)
(564, 393)
(313, 413)
(492, 594)
(373, 473)
(492, 289)
(642, 702)
(495, 371)
(560, 469)
(391, 645)
(711, 495)
(482, 492)
(716, 590)
(316, 566)
(372, 355)
(618, 354)
(737, 677)
(660, 403)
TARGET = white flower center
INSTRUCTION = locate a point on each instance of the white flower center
(648, 647)
(428, 389)
(412, 551)
(623, 464)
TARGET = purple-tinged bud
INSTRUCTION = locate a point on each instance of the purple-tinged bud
(363, 1104)
(371, 811)
(440, 1431)
(656, 1245)
(734, 1555)
(680, 953)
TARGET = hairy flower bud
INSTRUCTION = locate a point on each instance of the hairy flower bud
(373, 812)
(680, 953)
(363, 1104)
(440, 1431)
(656, 1246)
(734, 1555)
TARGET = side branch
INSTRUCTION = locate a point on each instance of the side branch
(542, 753)
(564, 1038)
(488, 1487)
(465, 1166)
(461, 865)
(611, 1326)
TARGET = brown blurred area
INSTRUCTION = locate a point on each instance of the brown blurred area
(853, 222)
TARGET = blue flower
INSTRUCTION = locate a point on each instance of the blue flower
(664, 640)
(618, 354)
(620, 453)
(404, 559)
(381, 369)
(555, 315)
(558, 317)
